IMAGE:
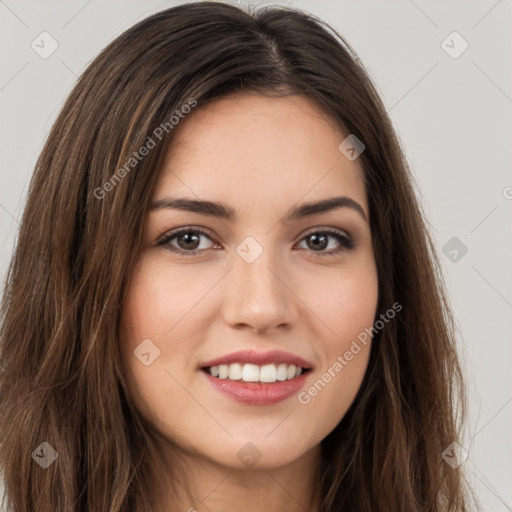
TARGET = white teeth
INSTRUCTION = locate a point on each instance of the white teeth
(267, 373)
(250, 373)
(223, 371)
(235, 371)
(282, 372)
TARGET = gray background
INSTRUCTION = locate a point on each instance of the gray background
(453, 116)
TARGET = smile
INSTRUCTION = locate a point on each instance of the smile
(268, 373)
(257, 378)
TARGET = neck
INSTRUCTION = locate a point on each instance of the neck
(207, 486)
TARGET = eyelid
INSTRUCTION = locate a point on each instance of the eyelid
(208, 233)
(324, 229)
(346, 242)
(176, 231)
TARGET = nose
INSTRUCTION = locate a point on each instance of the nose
(258, 296)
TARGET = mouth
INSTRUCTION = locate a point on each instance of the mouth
(264, 374)
(256, 378)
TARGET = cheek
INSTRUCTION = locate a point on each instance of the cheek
(353, 306)
(143, 323)
(347, 309)
(352, 317)
(345, 301)
(158, 299)
(148, 297)
(151, 316)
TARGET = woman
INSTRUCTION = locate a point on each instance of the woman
(223, 295)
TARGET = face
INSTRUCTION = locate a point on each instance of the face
(228, 301)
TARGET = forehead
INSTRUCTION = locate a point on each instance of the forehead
(250, 148)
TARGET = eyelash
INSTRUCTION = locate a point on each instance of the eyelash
(346, 243)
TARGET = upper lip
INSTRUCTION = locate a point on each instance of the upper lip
(259, 358)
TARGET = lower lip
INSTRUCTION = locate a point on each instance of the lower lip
(255, 393)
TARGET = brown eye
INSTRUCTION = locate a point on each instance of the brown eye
(185, 241)
(318, 241)
(188, 241)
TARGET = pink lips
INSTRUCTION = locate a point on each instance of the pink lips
(256, 393)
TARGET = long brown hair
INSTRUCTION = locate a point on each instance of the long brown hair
(61, 377)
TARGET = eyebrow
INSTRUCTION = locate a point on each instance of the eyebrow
(223, 211)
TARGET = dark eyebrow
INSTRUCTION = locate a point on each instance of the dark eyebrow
(325, 205)
(222, 211)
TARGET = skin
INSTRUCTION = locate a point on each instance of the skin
(261, 156)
